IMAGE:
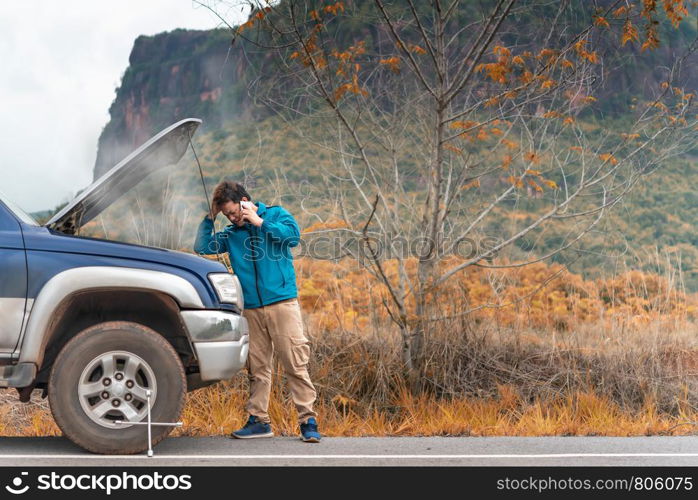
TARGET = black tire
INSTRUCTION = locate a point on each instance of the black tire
(76, 355)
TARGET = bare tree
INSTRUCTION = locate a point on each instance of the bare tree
(450, 119)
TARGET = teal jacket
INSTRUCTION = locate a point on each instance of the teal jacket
(260, 256)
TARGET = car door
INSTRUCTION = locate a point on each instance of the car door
(13, 280)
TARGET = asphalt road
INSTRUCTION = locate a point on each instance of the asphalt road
(425, 451)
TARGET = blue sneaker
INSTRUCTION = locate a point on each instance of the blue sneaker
(309, 433)
(254, 428)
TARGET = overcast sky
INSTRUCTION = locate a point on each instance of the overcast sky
(61, 63)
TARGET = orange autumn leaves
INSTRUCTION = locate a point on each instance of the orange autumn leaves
(630, 33)
(530, 176)
(501, 69)
(675, 11)
(474, 131)
(518, 70)
(348, 67)
(524, 69)
(347, 62)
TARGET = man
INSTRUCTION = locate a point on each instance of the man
(258, 243)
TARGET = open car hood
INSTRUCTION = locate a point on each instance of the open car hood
(164, 149)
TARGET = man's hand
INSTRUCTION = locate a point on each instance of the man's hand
(215, 210)
(250, 215)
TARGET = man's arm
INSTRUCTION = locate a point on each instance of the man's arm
(283, 230)
(207, 243)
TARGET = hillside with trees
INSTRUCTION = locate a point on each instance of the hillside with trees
(197, 73)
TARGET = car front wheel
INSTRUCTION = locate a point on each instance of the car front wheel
(103, 375)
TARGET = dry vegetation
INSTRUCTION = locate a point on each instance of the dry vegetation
(572, 357)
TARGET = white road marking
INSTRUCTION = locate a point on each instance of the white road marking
(324, 457)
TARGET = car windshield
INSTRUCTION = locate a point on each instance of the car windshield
(21, 214)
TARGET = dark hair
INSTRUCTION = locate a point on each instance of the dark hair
(229, 191)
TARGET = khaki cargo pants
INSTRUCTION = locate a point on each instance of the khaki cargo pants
(278, 327)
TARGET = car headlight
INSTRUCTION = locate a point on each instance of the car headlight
(228, 288)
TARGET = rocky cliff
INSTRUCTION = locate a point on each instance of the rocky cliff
(171, 76)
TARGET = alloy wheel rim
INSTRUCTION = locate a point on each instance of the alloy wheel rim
(113, 387)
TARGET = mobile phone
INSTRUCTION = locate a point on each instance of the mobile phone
(246, 204)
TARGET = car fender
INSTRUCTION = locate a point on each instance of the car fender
(64, 284)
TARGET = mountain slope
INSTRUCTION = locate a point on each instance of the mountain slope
(192, 73)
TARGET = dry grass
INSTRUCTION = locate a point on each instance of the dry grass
(26, 419)
(484, 384)
(219, 410)
(582, 414)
